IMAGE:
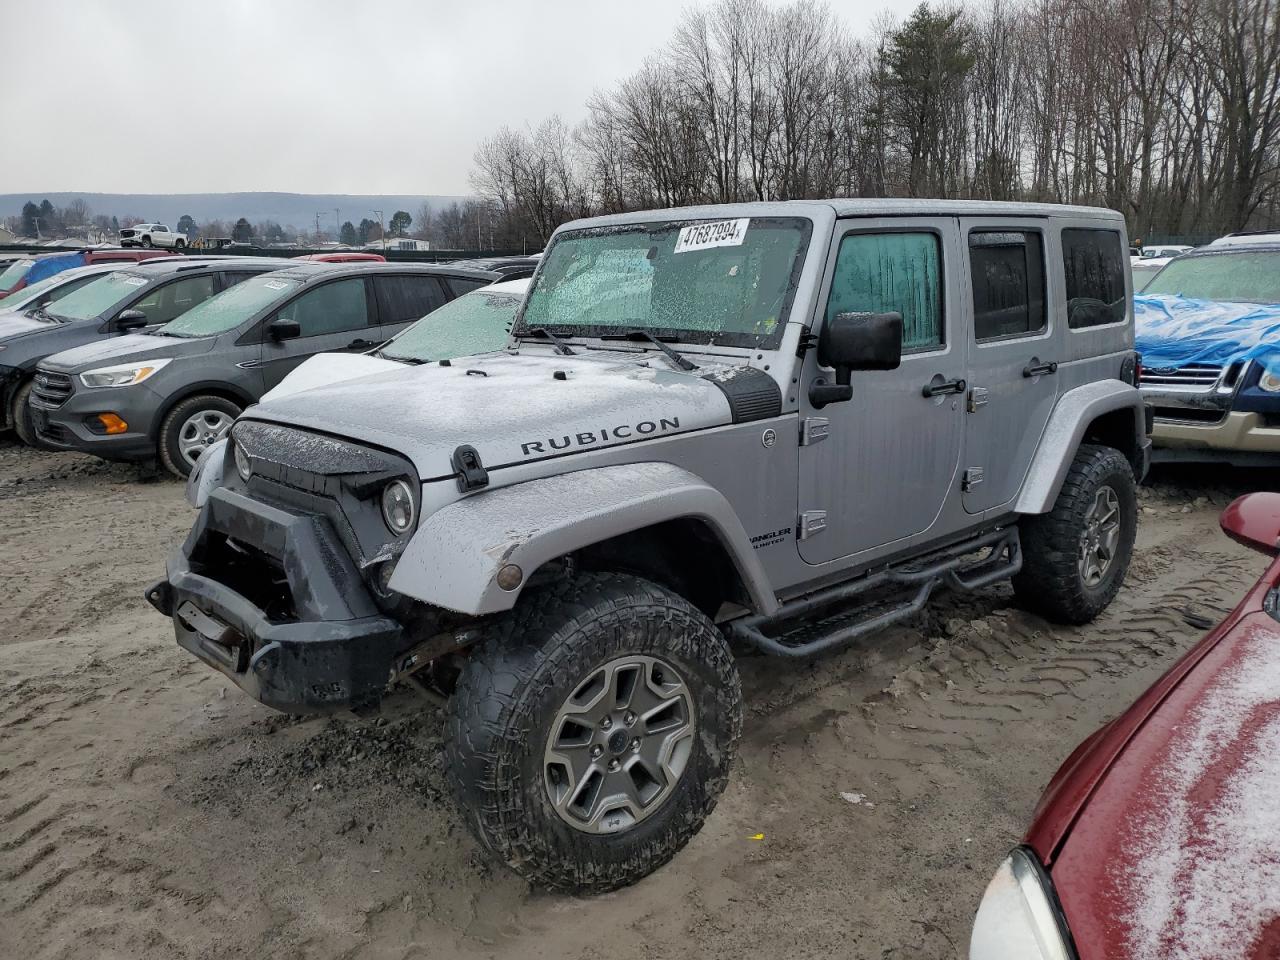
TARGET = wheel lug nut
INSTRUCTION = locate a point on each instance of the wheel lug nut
(629, 719)
(606, 723)
(614, 765)
(635, 743)
(596, 751)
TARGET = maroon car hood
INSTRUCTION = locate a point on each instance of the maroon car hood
(1162, 831)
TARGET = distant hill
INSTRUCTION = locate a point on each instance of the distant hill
(288, 209)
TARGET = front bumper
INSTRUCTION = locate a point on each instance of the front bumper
(1237, 432)
(65, 425)
(332, 651)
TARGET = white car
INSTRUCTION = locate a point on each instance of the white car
(152, 235)
(1250, 236)
(1162, 251)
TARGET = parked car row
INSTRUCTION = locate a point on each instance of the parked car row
(155, 361)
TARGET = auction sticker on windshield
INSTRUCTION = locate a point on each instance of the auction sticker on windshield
(722, 233)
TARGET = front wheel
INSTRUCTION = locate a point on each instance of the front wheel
(146, 241)
(1076, 556)
(591, 733)
(23, 425)
(192, 427)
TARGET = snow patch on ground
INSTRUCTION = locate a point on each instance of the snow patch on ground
(1206, 882)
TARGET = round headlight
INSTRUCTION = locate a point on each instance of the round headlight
(397, 506)
(243, 466)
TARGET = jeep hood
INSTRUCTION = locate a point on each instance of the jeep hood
(327, 369)
(122, 349)
(511, 408)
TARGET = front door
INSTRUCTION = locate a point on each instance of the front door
(336, 317)
(880, 467)
(1013, 356)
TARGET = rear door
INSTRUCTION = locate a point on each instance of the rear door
(335, 317)
(406, 298)
(1014, 353)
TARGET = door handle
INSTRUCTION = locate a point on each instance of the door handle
(940, 387)
(1037, 367)
(359, 344)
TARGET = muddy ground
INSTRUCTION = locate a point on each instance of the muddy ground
(149, 809)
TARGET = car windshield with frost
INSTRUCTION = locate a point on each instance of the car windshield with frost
(478, 322)
(1241, 277)
(230, 308)
(96, 298)
(728, 282)
(14, 273)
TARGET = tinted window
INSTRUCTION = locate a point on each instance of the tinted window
(1007, 269)
(463, 285)
(401, 299)
(892, 273)
(332, 308)
(174, 299)
(1093, 262)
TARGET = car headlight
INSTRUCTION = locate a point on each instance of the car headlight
(1017, 917)
(1270, 381)
(397, 506)
(244, 466)
(123, 375)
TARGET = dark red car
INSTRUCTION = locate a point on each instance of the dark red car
(344, 256)
(1159, 838)
(24, 271)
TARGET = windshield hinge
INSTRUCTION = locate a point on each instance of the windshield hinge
(807, 341)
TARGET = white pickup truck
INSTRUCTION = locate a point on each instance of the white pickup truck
(151, 235)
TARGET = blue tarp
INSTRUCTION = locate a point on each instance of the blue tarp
(48, 266)
(1172, 331)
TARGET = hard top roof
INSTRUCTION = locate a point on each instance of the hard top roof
(859, 207)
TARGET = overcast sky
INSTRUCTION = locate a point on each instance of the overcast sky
(321, 96)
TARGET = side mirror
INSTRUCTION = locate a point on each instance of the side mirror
(1254, 521)
(856, 341)
(282, 329)
(131, 320)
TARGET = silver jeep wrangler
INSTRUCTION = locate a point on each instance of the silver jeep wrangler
(776, 425)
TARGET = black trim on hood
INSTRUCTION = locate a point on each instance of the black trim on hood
(752, 393)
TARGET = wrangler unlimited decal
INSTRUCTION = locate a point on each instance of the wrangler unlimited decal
(589, 437)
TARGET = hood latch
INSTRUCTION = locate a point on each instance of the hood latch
(470, 471)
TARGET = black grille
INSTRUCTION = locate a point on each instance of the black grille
(51, 390)
(1189, 414)
(54, 433)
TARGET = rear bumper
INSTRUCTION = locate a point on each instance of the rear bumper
(336, 653)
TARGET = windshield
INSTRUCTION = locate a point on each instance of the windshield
(478, 322)
(13, 274)
(230, 308)
(1252, 277)
(95, 299)
(726, 282)
(32, 293)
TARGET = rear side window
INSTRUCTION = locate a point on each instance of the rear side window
(463, 285)
(174, 299)
(401, 299)
(1093, 263)
(332, 308)
(1007, 270)
(892, 273)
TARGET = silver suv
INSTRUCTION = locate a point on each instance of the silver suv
(776, 425)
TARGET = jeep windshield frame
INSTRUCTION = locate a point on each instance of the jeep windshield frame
(733, 291)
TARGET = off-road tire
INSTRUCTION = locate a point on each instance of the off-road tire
(1050, 582)
(514, 682)
(23, 425)
(167, 447)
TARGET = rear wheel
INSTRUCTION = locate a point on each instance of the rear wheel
(192, 427)
(1076, 556)
(591, 733)
(23, 425)
(179, 244)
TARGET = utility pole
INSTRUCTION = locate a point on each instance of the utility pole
(381, 229)
(337, 226)
(317, 240)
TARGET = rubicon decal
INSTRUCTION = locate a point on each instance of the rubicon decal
(590, 438)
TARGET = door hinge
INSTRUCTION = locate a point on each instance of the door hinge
(814, 429)
(972, 477)
(811, 522)
(978, 397)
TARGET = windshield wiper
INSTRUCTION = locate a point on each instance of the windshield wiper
(562, 348)
(684, 363)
